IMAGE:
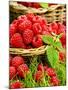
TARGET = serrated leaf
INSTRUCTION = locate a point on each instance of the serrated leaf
(58, 45)
(52, 55)
(61, 72)
(47, 39)
(44, 5)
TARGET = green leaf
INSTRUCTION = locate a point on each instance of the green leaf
(61, 72)
(47, 39)
(58, 45)
(52, 55)
(44, 5)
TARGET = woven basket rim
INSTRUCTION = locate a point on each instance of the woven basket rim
(18, 7)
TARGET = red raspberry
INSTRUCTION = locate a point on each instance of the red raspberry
(22, 18)
(61, 56)
(30, 16)
(25, 25)
(23, 70)
(37, 41)
(39, 19)
(40, 67)
(50, 72)
(16, 85)
(36, 5)
(37, 29)
(61, 28)
(12, 72)
(53, 27)
(12, 30)
(38, 75)
(17, 41)
(23, 3)
(45, 68)
(55, 81)
(63, 39)
(10, 60)
(46, 33)
(15, 23)
(17, 61)
(27, 36)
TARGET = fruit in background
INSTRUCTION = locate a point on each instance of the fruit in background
(23, 70)
(17, 61)
(30, 4)
(50, 72)
(36, 5)
(40, 67)
(10, 60)
(38, 75)
(16, 85)
(50, 4)
(61, 56)
(12, 72)
(55, 81)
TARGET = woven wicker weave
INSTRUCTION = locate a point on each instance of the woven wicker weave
(55, 13)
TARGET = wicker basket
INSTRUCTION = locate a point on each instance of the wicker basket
(55, 13)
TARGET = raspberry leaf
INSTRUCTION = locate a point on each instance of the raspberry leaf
(61, 72)
(58, 45)
(44, 5)
(52, 55)
(47, 39)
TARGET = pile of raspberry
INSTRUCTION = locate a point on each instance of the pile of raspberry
(27, 30)
(19, 70)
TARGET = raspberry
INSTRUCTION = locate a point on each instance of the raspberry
(37, 41)
(63, 39)
(12, 72)
(39, 19)
(38, 75)
(61, 56)
(46, 33)
(22, 18)
(10, 60)
(37, 29)
(61, 28)
(15, 23)
(16, 85)
(27, 36)
(25, 25)
(45, 68)
(55, 81)
(23, 70)
(12, 30)
(53, 27)
(17, 41)
(17, 61)
(30, 16)
(50, 72)
(36, 5)
(40, 67)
